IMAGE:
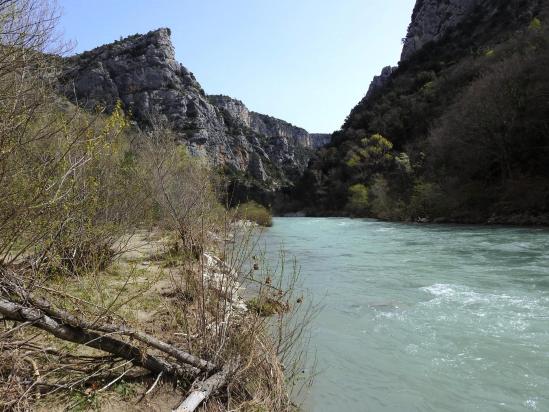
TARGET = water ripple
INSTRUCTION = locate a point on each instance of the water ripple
(424, 318)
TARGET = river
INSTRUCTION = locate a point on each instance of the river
(423, 317)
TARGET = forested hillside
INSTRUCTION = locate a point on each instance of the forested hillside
(458, 132)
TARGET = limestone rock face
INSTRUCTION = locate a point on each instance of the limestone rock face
(141, 71)
(269, 126)
(256, 168)
(235, 108)
(319, 140)
(284, 144)
(379, 81)
(431, 19)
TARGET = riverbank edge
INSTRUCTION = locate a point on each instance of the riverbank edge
(515, 220)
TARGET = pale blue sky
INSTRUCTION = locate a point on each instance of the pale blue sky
(305, 61)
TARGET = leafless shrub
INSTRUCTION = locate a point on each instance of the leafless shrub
(73, 188)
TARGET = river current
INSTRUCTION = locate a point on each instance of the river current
(423, 317)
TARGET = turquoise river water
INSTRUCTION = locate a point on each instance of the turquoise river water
(424, 317)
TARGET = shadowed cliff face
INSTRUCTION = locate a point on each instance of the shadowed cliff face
(434, 19)
(431, 19)
(141, 71)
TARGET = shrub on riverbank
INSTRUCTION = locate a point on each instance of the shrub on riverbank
(255, 212)
(119, 268)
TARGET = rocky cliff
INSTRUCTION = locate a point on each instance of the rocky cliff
(141, 71)
(379, 81)
(269, 126)
(431, 19)
(434, 19)
(319, 140)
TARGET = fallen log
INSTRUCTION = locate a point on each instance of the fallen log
(205, 389)
(178, 354)
(39, 319)
(67, 318)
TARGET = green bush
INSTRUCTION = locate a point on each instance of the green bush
(427, 200)
(265, 306)
(358, 200)
(256, 213)
(381, 202)
(535, 24)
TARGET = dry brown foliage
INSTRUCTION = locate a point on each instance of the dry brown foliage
(96, 306)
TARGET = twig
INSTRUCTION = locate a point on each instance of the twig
(15, 329)
(36, 374)
(117, 379)
(151, 388)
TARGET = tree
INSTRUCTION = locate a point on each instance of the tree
(371, 152)
(496, 133)
(358, 199)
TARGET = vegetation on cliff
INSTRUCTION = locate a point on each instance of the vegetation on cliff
(458, 132)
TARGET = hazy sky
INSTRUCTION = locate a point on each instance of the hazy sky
(305, 61)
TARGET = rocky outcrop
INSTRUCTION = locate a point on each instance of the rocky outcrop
(318, 140)
(233, 107)
(141, 71)
(380, 81)
(431, 19)
(279, 142)
(269, 126)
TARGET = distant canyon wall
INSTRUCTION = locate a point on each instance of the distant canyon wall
(141, 71)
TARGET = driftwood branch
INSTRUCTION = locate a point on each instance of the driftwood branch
(178, 354)
(205, 389)
(67, 318)
(39, 319)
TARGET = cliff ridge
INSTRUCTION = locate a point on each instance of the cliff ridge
(142, 72)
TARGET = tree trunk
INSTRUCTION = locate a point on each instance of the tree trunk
(16, 312)
(203, 390)
(67, 318)
(123, 330)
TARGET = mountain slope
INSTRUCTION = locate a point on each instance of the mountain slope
(141, 71)
(458, 132)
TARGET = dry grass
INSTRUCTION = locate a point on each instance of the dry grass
(73, 186)
(180, 304)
